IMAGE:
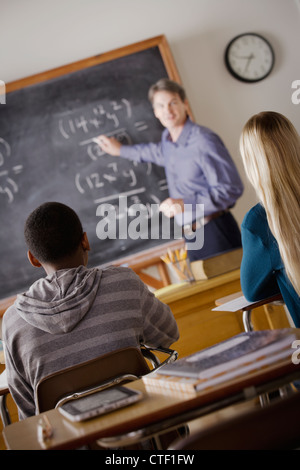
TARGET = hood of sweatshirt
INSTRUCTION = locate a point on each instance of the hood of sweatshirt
(57, 303)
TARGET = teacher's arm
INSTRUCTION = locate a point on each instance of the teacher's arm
(143, 153)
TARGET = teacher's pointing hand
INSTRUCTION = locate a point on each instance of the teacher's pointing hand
(109, 145)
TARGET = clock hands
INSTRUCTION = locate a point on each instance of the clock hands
(249, 58)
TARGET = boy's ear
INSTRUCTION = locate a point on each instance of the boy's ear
(85, 242)
(35, 262)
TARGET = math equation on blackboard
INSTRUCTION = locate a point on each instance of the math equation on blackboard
(104, 177)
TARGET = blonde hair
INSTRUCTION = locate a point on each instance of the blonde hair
(270, 149)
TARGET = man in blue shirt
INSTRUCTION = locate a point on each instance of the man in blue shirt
(199, 171)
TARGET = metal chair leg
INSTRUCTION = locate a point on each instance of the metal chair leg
(4, 413)
(247, 320)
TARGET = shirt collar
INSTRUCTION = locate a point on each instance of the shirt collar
(182, 139)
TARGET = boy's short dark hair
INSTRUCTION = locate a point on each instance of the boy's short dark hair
(53, 232)
(165, 84)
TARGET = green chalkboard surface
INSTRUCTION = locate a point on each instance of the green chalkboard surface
(47, 152)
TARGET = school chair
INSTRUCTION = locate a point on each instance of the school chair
(120, 366)
(108, 370)
(240, 303)
(275, 427)
(266, 303)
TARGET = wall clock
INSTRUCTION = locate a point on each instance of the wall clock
(249, 57)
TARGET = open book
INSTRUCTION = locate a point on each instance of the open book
(234, 357)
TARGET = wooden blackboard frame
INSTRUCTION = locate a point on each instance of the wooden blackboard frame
(158, 41)
(144, 258)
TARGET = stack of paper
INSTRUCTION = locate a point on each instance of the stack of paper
(234, 357)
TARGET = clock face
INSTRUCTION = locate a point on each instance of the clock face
(249, 57)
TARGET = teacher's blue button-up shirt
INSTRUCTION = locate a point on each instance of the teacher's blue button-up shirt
(198, 167)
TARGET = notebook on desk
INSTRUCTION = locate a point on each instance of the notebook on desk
(240, 303)
(236, 356)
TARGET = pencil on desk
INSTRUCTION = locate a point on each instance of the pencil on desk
(167, 260)
(178, 261)
(171, 255)
(183, 255)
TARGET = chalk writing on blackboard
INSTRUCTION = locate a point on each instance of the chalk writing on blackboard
(47, 153)
(8, 184)
(83, 127)
(98, 117)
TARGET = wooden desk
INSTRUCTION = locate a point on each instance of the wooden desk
(192, 304)
(199, 326)
(156, 412)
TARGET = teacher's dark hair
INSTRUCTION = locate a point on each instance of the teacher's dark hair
(165, 84)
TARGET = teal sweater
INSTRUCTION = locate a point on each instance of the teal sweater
(262, 269)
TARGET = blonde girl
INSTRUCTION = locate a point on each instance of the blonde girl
(270, 149)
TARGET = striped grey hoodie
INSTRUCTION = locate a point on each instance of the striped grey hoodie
(75, 315)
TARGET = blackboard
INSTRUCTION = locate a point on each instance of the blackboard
(47, 152)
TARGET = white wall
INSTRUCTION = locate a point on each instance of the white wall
(37, 35)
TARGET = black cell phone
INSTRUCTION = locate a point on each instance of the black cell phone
(99, 403)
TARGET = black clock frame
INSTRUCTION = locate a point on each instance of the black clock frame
(236, 75)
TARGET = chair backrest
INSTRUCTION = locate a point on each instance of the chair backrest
(116, 367)
(274, 427)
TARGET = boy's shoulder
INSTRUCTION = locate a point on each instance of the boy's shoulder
(119, 271)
